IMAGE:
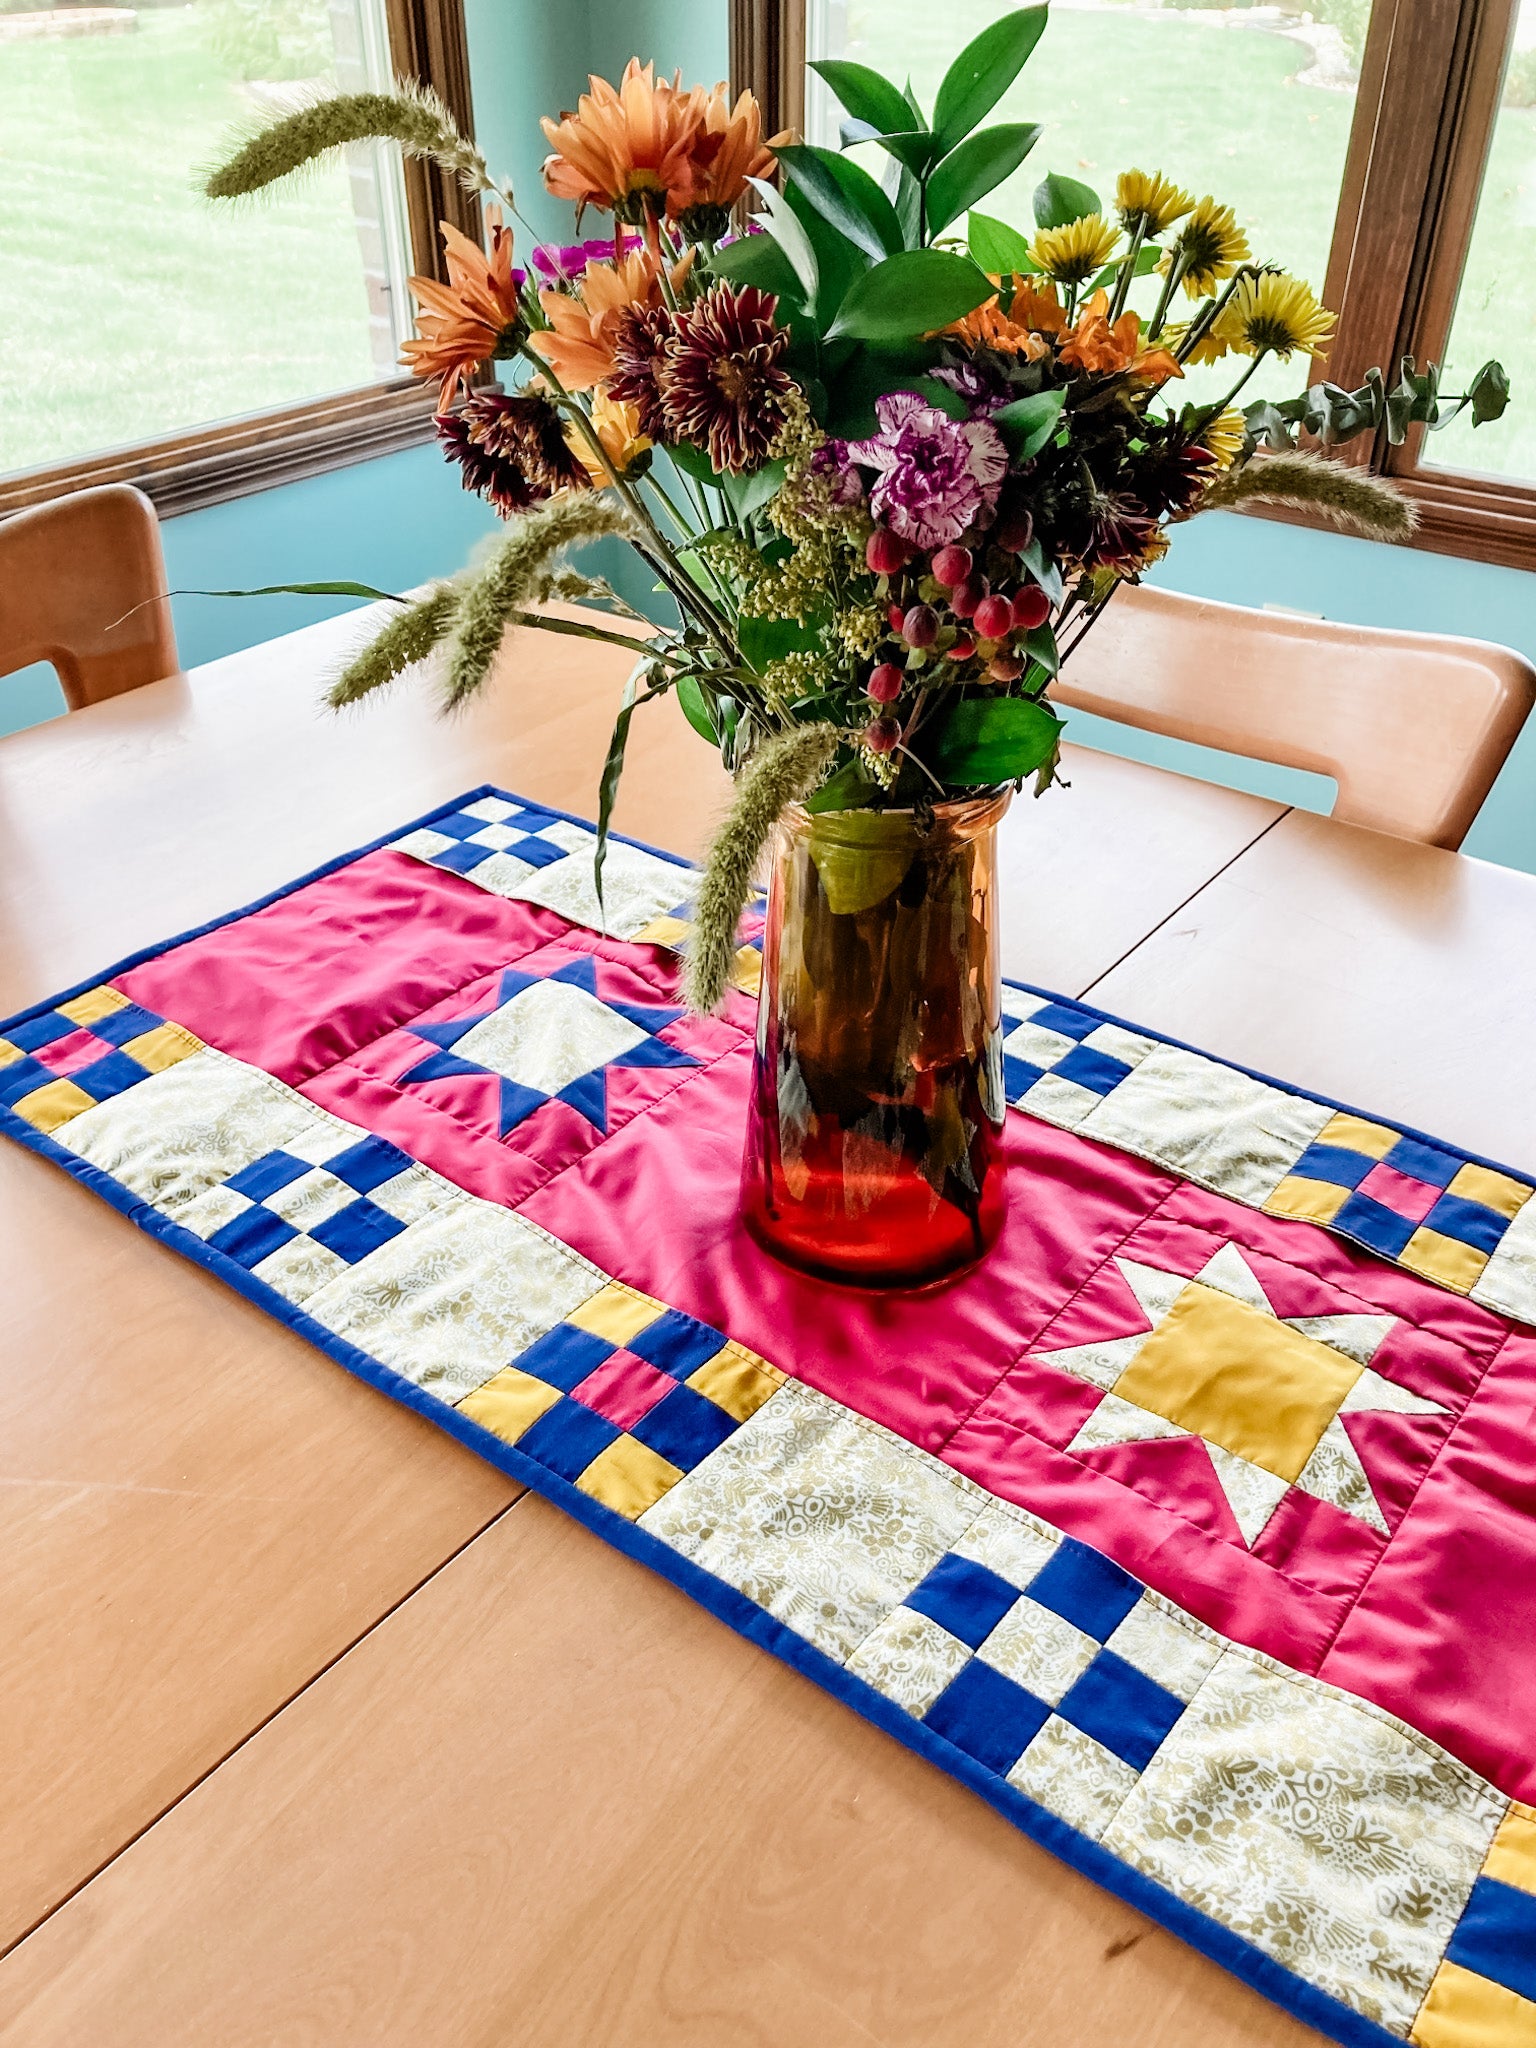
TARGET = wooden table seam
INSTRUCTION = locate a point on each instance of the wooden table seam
(281, 1707)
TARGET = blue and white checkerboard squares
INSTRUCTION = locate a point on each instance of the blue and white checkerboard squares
(298, 1216)
(496, 843)
(1059, 1062)
(1046, 1663)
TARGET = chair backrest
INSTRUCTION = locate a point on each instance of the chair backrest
(1413, 727)
(69, 573)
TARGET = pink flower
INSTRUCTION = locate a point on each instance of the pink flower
(935, 474)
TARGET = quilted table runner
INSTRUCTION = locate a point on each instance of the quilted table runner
(1196, 1530)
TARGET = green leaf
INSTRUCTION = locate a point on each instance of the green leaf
(850, 789)
(758, 260)
(909, 208)
(838, 263)
(1148, 257)
(613, 768)
(296, 590)
(766, 640)
(866, 95)
(1040, 645)
(1060, 201)
(1044, 571)
(1028, 423)
(694, 462)
(845, 194)
(994, 739)
(1489, 393)
(690, 694)
(998, 247)
(983, 72)
(783, 224)
(916, 148)
(974, 167)
(910, 295)
(870, 371)
(746, 494)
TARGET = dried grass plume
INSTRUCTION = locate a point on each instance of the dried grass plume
(411, 115)
(1351, 498)
(519, 572)
(784, 771)
(409, 637)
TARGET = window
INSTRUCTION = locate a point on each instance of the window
(1385, 149)
(149, 335)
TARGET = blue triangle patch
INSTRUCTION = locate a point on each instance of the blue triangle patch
(589, 1094)
(518, 1102)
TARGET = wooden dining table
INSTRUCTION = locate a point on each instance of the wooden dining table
(316, 1730)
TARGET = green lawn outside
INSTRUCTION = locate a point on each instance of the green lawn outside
(131, 305)
(1220, 110)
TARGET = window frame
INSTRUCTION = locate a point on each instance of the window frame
(1431, 76)
(208, 463)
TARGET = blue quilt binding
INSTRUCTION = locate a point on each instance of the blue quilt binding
(1271, 1979)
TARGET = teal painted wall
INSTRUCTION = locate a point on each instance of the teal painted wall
(401, 520)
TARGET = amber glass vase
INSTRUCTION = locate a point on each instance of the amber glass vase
(877, 1098)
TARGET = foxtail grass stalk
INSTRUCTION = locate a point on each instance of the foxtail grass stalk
(1350, 497)
(412, 116)
(780, 773)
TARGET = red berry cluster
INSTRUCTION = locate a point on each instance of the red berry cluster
(946, 607)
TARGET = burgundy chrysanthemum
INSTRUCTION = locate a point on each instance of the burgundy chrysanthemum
(511, 449)
(720, 378)
(640, 338)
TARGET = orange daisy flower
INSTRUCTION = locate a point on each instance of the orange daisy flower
(471, 319)
(1103, 350)
(584, 324)
(727, 150)
(628, 149)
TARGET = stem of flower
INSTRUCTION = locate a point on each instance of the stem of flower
(580, 631)
(1127, 270)
(1178, 263)
(653, 546)
(1211, 312)
(1203, 419)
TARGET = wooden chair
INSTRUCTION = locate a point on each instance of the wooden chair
(69, 572)
(1413, 727)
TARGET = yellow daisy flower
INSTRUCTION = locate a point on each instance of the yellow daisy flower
(1073, 254)
(1211, 245)
(1148, 200)
(1224, 436)
(1274, 315)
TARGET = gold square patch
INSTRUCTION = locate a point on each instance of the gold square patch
(629, 1477)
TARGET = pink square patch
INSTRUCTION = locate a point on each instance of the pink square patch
(1399, 1192)
(624, 1388)
(68, 1055)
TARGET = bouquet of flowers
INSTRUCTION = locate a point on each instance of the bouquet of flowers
(888, 456)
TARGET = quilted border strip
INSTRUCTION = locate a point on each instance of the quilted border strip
(1095, 1714)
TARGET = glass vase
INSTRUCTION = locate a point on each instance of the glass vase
(877, 1097)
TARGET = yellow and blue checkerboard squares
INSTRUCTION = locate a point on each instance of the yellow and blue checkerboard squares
(65, 1060)
(624, 1397)
(1432, 1210)
(1484, 1993)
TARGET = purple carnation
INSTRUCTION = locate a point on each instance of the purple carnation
(567, 265)
(834, 458)
(936, 474)
(982, 392)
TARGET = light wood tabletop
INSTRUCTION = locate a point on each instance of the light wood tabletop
(315, 1730)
